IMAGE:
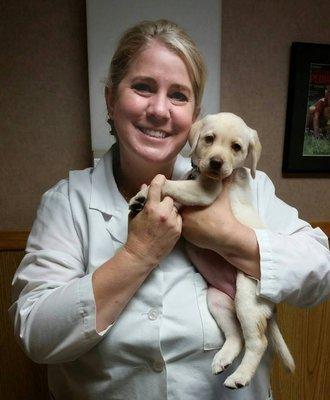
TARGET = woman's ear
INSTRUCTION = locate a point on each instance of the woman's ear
(254, 150)
(196, 114)
(109, 98)
(194, 134)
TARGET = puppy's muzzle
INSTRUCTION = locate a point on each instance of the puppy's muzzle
(212, 168)
(215, 164)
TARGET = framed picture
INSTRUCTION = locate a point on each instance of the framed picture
(307, 130)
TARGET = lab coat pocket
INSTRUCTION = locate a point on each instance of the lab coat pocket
(212, 335)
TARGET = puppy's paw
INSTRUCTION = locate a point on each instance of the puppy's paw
(219, 365)
(237, 381)
(137, 202)
(226, 355)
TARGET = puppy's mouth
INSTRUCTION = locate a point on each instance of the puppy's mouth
(157, 134)
(217, 176)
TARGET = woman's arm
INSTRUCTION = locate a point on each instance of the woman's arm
(216, 228)
(151, 236)
(291, 259)
(54, 309)
(294, 257)
(58, 310)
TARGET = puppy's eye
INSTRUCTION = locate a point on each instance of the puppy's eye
(209, 139)
(236, 147)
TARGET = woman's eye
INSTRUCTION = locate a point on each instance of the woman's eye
(209, 139)
(142, 87)
(178, 96)
(236, 147)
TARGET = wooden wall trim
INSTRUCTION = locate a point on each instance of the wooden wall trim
(13, 240)
(16, 240)
(324, 225)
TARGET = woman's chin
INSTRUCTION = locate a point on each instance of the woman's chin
(156, 155)
(161, 152)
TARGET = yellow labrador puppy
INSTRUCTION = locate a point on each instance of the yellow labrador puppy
(220, 144)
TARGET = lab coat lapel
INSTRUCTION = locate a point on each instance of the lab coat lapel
(117, 227)
(106, 198)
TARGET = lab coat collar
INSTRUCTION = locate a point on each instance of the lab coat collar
(106, 198)
(105, 195)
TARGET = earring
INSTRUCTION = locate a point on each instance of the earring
(110, 125)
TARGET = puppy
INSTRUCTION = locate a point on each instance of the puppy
(220, 144)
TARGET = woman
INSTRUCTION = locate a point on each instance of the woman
(116, 309)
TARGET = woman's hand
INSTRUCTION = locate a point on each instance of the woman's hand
(153, 233)
(216, 228)
(206, 227)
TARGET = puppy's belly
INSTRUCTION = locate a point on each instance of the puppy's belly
(214, 268)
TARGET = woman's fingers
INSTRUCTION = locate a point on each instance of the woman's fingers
(157, 205)
(154, 232)
(168, 202)
(178, 218)
(155, 189)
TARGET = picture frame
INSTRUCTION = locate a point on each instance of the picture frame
(307, 128)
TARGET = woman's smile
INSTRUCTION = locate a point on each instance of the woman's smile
(158, 134)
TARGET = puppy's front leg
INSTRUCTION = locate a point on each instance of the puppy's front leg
(192, 192)
(188, 193)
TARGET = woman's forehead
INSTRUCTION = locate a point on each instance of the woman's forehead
(157, 61)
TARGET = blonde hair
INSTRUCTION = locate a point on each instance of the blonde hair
(173, 37)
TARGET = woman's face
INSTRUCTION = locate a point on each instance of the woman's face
(153, 108)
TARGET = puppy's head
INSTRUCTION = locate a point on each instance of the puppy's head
(222, 142)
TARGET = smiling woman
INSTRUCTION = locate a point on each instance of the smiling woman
(153, 108)
(153, 96)
(114, 306)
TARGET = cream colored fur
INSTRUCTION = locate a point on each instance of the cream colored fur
(220, 145)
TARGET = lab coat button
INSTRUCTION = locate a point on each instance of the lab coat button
(153, 314)
(158, 366)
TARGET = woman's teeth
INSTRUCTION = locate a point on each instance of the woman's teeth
(152, 133)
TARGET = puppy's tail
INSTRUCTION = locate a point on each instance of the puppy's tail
(280, 345)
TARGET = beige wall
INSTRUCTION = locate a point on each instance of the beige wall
(44, 124)
(256, 39)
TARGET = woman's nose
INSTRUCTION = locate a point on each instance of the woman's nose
(159, 107)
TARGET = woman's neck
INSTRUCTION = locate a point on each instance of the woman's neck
(130, 174)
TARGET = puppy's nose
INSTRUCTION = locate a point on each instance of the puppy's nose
(215, 163)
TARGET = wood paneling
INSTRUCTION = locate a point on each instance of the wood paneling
(324, 225)
(13, 240)
(306, 332)
(20, 378)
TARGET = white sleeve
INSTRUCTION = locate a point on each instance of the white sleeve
(54, 308)
(294, 257)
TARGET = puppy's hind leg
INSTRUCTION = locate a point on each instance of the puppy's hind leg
(253, 314)
(222, 309)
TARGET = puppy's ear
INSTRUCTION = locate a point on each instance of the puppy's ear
(254, 150)
(194, 134)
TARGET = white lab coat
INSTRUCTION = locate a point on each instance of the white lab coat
(162, 345)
